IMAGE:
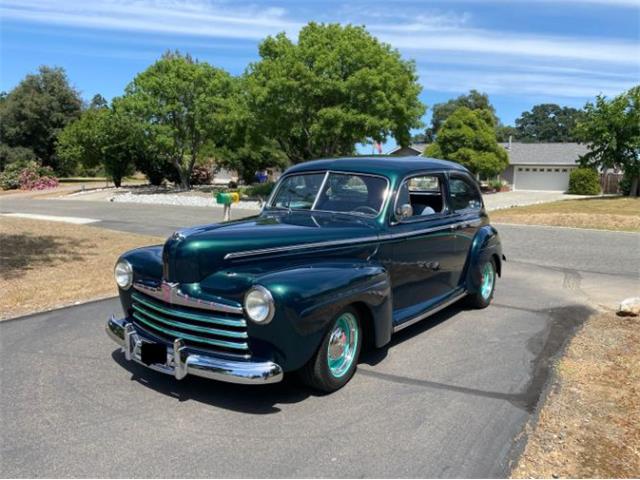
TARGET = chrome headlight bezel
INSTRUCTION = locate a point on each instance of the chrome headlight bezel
(123, 274)
(258, 294)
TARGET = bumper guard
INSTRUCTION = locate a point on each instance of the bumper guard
(180, 362)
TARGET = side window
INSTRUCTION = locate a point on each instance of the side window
(464, 195)
(424, 194)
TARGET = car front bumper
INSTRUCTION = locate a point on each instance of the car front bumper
(180, 362)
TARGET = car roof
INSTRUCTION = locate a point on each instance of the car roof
(388, 166)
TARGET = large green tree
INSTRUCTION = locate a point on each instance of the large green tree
(337, 86)
(103, 137)
(611, 129)
(548, 122)
(474, 100)
(35, 112)
(469, 137)
(185, 106)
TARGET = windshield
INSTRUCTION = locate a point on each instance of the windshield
(335, 192)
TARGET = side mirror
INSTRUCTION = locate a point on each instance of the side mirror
(404, 211)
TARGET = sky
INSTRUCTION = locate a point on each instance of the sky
(519, 52)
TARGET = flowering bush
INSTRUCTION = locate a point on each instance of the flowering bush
(28, 177)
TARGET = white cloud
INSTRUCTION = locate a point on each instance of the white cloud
(195, 18)
(524, 83)
(497, 62)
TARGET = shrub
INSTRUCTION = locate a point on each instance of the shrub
(201, 175)
(260, 189)
(10, 178)
(19, 155)
(584, 181)
(29, 176)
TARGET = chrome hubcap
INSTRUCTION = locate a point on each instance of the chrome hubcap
(342, 345)
(486, 283)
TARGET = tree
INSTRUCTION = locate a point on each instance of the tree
(506, 132)
(548, 122)
(611, 130)
(336, 87)
(103, 136)
(35, 112)
(474, 100)
(469, 137)
(20, 155)
(98, 101)
(184, 106)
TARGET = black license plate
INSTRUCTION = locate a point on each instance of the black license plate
(153, 353)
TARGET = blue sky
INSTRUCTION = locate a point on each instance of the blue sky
(519, 52)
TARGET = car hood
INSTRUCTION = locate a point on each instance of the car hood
(192, 254)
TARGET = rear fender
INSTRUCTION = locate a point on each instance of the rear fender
(486, 245)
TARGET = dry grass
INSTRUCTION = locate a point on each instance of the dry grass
(608, 213)
(590, 424)
(44, 265)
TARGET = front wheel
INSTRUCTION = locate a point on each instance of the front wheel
(335, 362)
(487, 274)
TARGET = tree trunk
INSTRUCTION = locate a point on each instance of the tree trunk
(635, 187)
(117, 181)
(185, 180)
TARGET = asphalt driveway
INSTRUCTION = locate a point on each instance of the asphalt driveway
(448, 398)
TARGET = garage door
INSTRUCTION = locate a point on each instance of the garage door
(542, 178)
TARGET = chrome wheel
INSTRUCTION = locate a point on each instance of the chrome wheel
(487, 281)
(343, 342)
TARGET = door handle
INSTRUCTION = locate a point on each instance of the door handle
(435, 266)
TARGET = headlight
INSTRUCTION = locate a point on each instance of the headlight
(258, 305)
(124, 274)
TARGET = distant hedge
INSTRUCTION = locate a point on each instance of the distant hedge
(584, 181)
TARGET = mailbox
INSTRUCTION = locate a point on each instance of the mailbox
(227, 198)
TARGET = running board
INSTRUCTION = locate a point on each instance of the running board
(430, 312)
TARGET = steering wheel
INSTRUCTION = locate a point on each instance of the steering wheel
(365, 209)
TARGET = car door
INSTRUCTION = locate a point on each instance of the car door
(467, 212)
(421, 253)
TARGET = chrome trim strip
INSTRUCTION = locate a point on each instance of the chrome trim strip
(288, 248)
(331, 243)
(171, 293)
(187, 326)
(322, 185)
(423, 315)
(180, 362)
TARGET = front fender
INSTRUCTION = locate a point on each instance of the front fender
(486, 244)
(309, 297)
(147, 265)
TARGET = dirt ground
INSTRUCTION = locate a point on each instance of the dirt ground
(44, 265)
(608, 213)
(589, 426)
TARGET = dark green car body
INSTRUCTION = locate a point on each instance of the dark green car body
(315, 264)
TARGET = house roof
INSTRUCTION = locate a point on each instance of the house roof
(417, 147)
(544, 153)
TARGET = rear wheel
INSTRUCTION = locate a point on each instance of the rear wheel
(487, 274)
(335, 362)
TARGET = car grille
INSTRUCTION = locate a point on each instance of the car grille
(225, 332)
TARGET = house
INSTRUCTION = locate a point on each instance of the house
(532, 166)
(541, 166)
(410, 151)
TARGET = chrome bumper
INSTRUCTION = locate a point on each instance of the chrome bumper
(180, 362)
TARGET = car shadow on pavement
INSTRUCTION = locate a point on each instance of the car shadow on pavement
(374, 356)
(253, 399)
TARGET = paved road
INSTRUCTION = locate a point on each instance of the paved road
(448, 398)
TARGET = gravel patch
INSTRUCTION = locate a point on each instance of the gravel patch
(181, 200)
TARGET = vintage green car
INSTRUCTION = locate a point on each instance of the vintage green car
(345, 253)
